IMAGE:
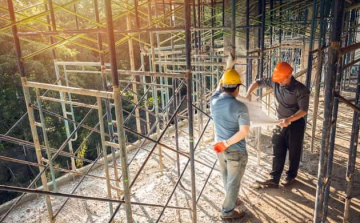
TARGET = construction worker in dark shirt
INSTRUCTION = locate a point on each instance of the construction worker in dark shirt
(292, 103)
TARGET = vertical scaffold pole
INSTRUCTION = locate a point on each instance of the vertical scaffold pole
(280, 30)
(318, 76)
(260, 69)
(57, 72)
(271, 22)
(118, 110)
(189, 107)
(223, 13)
(332, 139)
(316, 98)
(333, 56)
(194, 22)
(76, 17)
(271, 43)
(46, 141)
(262, 43)
(199, 23)
(268, 74)
(155, 89)
(311, 43)
(132, 67)
(37, 147)
(106, 167)
(212, 25)
(248, 61)
(28, 106)
(175, 104)
(136, 5)
(233, 27)
(350, 170)
(107, 108)
(348, 40)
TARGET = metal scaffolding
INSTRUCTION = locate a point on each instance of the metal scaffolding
(179, 45)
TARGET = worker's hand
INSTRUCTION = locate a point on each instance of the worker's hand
(220, 147)
(284, 122)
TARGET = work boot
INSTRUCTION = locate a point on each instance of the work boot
(287, 181)
(268, 183)
(235, 215)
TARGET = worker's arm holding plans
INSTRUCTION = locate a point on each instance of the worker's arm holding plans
(285, 101)
(258, 118)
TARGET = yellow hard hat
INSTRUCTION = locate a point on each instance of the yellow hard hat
(231, 79)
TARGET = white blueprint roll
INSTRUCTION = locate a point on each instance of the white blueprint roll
(258, 118)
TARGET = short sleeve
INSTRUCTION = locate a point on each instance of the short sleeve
(265, 82)
(243, 118)
(303, 99)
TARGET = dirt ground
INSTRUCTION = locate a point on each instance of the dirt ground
(290, 204)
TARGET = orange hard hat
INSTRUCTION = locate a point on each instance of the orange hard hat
(281, 71)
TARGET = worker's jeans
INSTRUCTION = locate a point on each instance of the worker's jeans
(232, 166)
(283, 139)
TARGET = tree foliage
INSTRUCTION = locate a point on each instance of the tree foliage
(40, 68)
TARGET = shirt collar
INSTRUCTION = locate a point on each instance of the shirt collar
(224, 94)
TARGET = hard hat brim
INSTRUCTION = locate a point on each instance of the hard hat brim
(277, 78)
(231, 85)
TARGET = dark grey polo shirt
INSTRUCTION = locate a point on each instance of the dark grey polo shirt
(289, 99)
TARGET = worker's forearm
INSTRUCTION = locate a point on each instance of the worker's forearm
(299, 114)
(252, 88)
(219, 86)
(241, 134)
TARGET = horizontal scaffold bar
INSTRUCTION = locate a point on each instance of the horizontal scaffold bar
(347, 49)
(84, 71)
(73, 90)
(192, 63)
(143, 83)
(79, 63)
(103, 30)
(69, 102)
(151, 74)
(348, 103)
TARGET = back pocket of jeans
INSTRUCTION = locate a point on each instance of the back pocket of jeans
(235, 157)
